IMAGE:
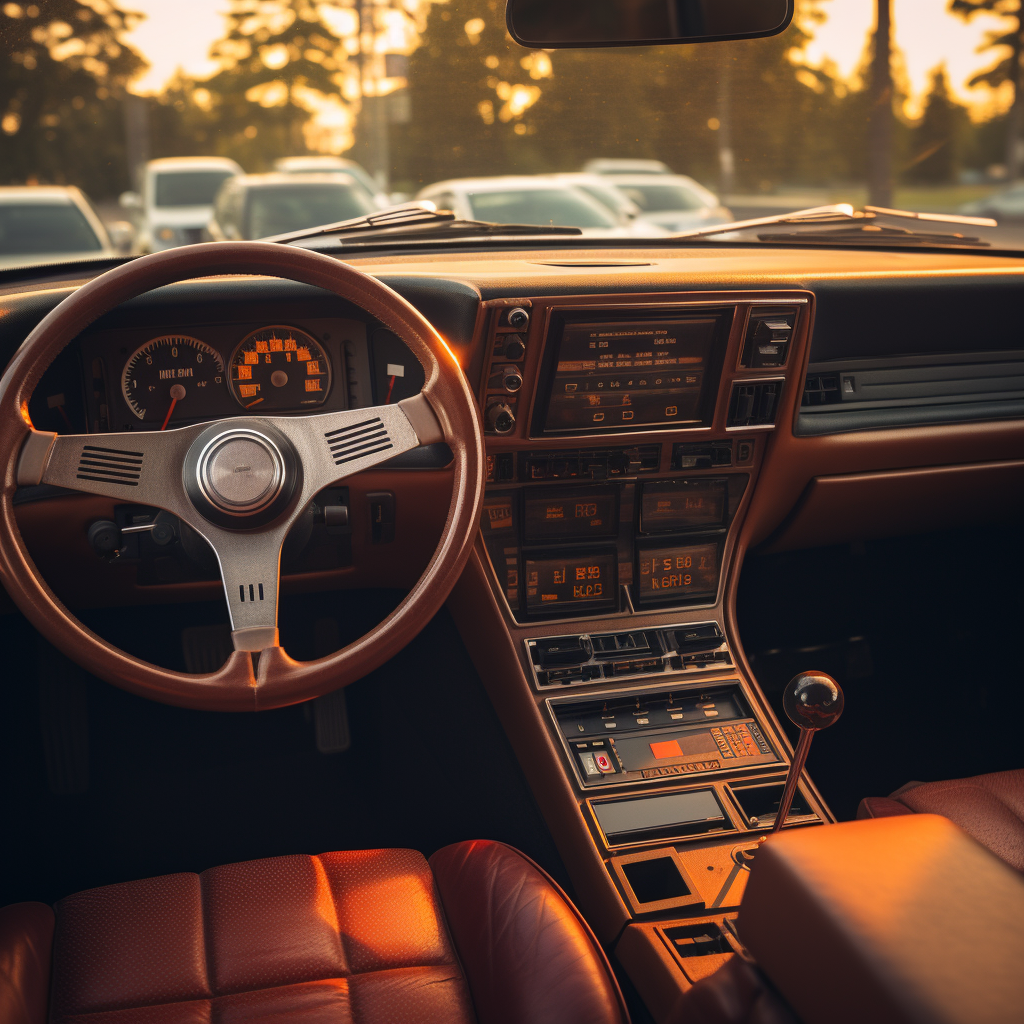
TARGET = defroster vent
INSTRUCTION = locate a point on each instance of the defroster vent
(110, 465)
(754, 404)
(349, 443)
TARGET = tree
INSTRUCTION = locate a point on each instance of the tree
(938, 140)
(1008, 68)
(61, 83)
(283, 61)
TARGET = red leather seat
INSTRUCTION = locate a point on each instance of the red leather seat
(480, 934)
(989, 808)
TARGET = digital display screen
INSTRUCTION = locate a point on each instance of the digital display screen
(628, 376)
(682, 505)
(497, 518)
(572, 581)
(678, 572)
(586, 513)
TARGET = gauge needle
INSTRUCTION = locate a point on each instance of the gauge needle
(391, 387)
(177, 392)
(251, 404)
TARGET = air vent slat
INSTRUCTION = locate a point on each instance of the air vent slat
(346, 444)
(110, 465)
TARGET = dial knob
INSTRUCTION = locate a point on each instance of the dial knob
(517, 318)
(813, 701)
(500, 417)
(514, 347)
(511, 379)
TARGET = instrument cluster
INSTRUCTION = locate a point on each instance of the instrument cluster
(155, 377)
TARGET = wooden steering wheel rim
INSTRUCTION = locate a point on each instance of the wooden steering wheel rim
(279, 679)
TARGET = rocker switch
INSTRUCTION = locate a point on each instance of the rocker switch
(382, 516)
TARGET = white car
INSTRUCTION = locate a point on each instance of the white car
(49, 224)
(672, 201)
(622, 207)
(334, 165)
(177, 200)
(621, 165)
(1005, 206)
(520, 199)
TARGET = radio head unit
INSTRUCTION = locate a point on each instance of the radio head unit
(631, 374)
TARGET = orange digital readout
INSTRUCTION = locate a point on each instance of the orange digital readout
(313, 385)
(244, 372)
(251, 357)
(289, 344)
(276, 345)
(668, 748)
(313, 367)
(262, 346)
(248, 390)
(302, 353)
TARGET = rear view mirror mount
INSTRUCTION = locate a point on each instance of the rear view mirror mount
(543, 24)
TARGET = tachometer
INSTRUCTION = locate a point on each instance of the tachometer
(167, 374)
(279, 368)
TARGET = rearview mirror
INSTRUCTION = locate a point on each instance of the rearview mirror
(542, 24)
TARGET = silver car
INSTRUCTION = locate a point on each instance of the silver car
(49, 224)
(672, 201)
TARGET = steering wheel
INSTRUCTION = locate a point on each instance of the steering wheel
(240, 483)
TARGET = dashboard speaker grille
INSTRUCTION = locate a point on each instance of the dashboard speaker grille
(110, 465)
(349, 443)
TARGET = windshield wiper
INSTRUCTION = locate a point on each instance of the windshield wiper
(873, 234)
(843, 213)
(419, 218)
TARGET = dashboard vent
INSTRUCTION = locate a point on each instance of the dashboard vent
(349, 443)
(754, 404)
(821, 389)
(110, 465)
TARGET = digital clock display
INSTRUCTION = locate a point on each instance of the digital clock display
(573, 581)
(682, 505)
(678, 573)
(582, 513)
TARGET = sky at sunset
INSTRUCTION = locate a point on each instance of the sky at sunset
(178, 33)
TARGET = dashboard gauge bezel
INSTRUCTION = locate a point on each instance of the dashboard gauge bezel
(187, 339)
(326, 361)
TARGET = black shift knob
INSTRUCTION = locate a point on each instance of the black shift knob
(813, 700)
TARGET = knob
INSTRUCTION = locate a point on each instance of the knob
(500, 417)
(511, 379)
(813, 700)
(105, 537)
(518, 318)
(514, 347)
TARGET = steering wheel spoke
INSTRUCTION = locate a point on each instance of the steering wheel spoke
(143, 468)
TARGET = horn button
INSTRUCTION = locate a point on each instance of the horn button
(240, 477)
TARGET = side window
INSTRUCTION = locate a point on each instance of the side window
(443, 200)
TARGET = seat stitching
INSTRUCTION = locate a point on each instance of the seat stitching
(346, 963)
(262, 988)
(206, 943)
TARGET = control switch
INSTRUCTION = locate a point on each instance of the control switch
(382, 516)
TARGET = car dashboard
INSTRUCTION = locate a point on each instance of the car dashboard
(649, 418)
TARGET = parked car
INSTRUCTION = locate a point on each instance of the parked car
(334, 165)
(262, 205)
(673, 201)
(1005, 206)
(46, 224)
(516, 199)
(617, 165)
(614, 199)
(176, 199)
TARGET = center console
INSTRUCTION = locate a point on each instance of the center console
(624, 443)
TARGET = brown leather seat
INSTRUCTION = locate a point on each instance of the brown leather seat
(989, 808)
(480, 934)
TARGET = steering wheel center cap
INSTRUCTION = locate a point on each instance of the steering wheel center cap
(242, 477)
(241, 472)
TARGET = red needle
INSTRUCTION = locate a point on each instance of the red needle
(391, 387)
(167, 418)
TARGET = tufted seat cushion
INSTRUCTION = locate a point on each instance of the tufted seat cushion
(989, 808)
(346, 937)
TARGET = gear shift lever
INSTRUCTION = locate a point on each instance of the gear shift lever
(812, 701)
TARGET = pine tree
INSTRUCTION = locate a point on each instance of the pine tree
(937, 141)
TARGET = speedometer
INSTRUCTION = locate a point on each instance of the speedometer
(167, 375)
(279, 368)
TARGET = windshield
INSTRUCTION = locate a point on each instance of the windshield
(33, 228)
(560, 207)
(274, 211)
(903, 104)
(188, 188)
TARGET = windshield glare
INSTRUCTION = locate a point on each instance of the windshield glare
(188, 188)
(902, 104)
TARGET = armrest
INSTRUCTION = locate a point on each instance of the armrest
(899, 919)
